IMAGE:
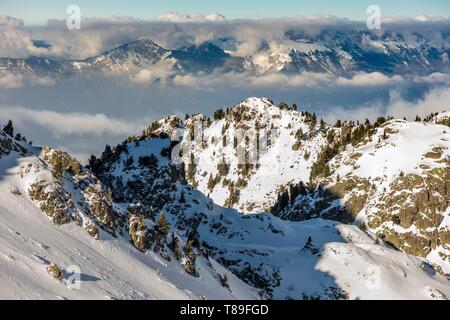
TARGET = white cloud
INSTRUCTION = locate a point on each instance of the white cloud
(434, 78)
(435, 100)
(158, 72)
(280, 81)
(10, 80)
(369, 80)
(10, 22)
(61, 124)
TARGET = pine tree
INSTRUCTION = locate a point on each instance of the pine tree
(193, 237)
(224, 281)
(129, 163)
(175, 246)
(163, 225)
(191, 168)
(182, 197)
(212, 181)
(219, 114)
(306, 155)
(322, 124)
(326, 170)
(223, 167)
(314, 119)
(283, 106)
(107, 155)
(109, 195)
(9, 128)
(191, 256)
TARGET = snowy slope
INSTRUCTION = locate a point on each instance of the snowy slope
(110, 268)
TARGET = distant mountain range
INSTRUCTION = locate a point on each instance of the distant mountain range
(340, 53)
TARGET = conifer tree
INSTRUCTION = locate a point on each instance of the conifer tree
(107, 155)
(182, 197)
(163, 225)
(191, 256)
(9, 128)
(322, 124)
(175, 246)
(224, 281)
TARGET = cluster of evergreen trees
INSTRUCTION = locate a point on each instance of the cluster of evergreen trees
(220, 114)
(288, 195)
(186, 255)
(284, 106)
(9, 130)
(351, 133)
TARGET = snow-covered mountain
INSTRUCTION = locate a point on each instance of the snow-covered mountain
(391, 176)
(336, 52)
(309, 211)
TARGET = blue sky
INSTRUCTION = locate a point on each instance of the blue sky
(37, 12)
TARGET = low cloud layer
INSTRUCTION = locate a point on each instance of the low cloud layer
(10, 80)
(63, 124)
(435, 100)
(302, 80)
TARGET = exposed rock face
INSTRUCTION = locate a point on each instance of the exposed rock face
(63, 206)
(356, 190)
(408, 242)
(138, 232)
(92, 229)
(406, 209)
(414, 202)
(53, 200)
